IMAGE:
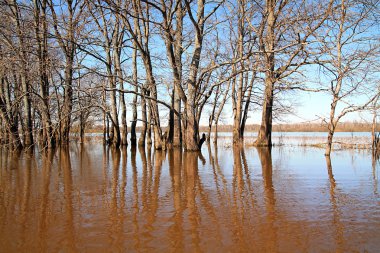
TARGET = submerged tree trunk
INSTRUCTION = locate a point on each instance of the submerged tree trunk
(331, 127)
(23, 59)
(28, 137)
(124, 133)
(192, 131)
(67, 102)
(82, 126)
(192, 128)
(144, 119)
(67, 43)
(41, 33)
(11, 125)
(177, 133)
(104, 116)
(134, 104)
(117, 42)
(265, 132)
(149, 126)
(246, 105)
(238, 94)
(375, 139)
(221, 106)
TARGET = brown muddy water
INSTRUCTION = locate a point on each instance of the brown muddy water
(225, 199)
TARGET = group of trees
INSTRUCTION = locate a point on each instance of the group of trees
(165, 63)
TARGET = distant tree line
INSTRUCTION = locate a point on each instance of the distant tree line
(167, 64)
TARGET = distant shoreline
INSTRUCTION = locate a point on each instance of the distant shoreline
(348, 127)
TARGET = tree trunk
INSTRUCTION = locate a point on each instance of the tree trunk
(48, 139)
(237, 110)
(124, 133)
(134, 104)
(104, 117)
(27, 116)
(177, 133)
(117, 42)
(265, 132)
(68, 46)
(28, 138)
(178, 50)
(246, 106)
(115, 137)
(329, 143)
(154, 116)
(144, 120)
(192, 133)
(11, 125)
(149, 127)
(331, 127)
(82, 125)
(67, 103)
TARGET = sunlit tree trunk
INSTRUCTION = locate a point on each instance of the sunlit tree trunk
(238, 94)
(144, 120)
(265, 132)
(117, 42)
(177, 133)
(124, 133)
(134, 103)
(192, 131)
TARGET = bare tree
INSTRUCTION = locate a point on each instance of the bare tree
(41, 36)
(284, 35)
(347, 47)
(134, 104)
(67, 30)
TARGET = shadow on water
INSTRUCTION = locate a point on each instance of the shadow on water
(236, 199)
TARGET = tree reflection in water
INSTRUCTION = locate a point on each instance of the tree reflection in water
(135, 199)
(338, 227)
(265, 156)
(65, 165)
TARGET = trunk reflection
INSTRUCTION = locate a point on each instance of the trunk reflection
(225, 199)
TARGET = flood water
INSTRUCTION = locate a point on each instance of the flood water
(225, 199)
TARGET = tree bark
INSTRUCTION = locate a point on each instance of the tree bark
(11, 125)
(237, 103)
(144, 119)
(134, 104)
(192, 131)
(27, 117)
(178, 50)
(265, 132)
(117, 47)
(67, 102)
(41, 32)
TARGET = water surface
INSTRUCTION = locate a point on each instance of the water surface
(95, 199)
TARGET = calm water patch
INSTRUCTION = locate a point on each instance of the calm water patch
(93, 198)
